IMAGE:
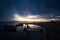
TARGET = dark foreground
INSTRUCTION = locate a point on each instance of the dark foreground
(21, 36)
(11, 33)
(51, 31)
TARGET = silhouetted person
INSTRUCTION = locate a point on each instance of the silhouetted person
(27, 31)
(28, 27)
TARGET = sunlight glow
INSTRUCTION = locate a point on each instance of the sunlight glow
(54, 19)
(31, 26)
(32, 16)
(16, 15)
(29, 18)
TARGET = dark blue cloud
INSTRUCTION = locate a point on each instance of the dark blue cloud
(35, 7)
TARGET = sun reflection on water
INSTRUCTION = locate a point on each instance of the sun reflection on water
(31, 26)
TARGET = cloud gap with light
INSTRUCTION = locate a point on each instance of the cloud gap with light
(29, 18)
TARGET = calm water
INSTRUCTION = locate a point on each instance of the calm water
(35, 34)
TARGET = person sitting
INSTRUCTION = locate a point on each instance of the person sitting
(27, 28)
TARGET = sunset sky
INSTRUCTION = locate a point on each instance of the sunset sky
(40, 9)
